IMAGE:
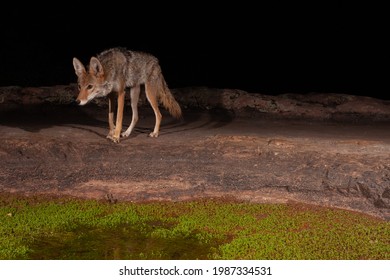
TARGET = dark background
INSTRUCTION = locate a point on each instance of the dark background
(270, 49)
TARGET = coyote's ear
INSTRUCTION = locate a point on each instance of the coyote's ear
(95, 67)
(78, 67)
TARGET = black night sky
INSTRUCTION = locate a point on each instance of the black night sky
(269, 49)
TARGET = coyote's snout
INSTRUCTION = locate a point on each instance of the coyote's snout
(111, 72)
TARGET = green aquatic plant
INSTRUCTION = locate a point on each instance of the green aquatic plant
(64, 228)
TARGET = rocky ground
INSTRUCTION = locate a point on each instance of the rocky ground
(324, 149)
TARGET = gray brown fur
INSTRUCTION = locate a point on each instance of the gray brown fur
(114, 70)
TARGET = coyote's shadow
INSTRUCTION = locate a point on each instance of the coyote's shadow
(94, 119)
(36, 118)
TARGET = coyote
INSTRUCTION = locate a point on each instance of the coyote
(111, 72)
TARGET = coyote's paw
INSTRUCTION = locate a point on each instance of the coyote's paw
(153, 134)
(125, 134)
(113, 138)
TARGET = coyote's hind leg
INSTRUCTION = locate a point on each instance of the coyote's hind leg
(151, 94)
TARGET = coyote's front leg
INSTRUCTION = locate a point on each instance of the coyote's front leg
(134, 97)
(111, 100)
(119, 118)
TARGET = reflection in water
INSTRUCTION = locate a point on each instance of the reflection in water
(122, 242)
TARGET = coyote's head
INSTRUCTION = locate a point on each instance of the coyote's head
(91, 83)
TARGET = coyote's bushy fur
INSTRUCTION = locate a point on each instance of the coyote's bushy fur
(116, 69)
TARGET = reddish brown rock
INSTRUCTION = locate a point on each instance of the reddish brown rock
(324, 149)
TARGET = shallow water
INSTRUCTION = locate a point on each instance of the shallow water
(122, 242)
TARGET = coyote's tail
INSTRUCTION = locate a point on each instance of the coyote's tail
(166, 97)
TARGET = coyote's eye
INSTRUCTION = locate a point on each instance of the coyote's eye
(89, 86)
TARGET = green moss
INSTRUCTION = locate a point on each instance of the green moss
(206, 229)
